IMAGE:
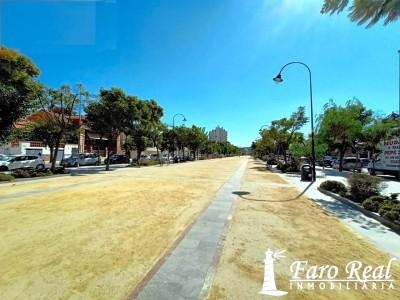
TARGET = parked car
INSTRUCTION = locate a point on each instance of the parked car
(118, 159)
(82, 159)
(12, 162)
(328, 161)
(364, 162)
(349, 163)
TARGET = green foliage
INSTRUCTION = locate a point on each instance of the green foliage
(272, 161)
(287, 167)
(374, 203)
(341, 127)
(280, 134)
(334, 186)
(363, 11)
(363, 186)
(6, 177)
(19, 88)
(54, 122)
(390, 210)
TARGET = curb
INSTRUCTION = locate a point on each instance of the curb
(387, 223)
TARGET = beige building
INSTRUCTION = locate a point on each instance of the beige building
(219, 134)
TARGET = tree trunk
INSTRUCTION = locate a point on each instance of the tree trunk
(138, 154)
(341, 155)
(51, 153)
(58, 141)
(108, 161)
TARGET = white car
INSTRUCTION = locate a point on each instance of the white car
(12, 162)
(82, 159)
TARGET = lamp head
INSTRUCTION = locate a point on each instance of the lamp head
(278, 78)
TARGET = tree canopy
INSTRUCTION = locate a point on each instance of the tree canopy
(341, 126)
(19, 88)
(365, 11)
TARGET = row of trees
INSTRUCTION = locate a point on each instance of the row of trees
(110, 114)
(339, 128)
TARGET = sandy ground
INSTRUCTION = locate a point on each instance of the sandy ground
(272, 214)
(96, 236)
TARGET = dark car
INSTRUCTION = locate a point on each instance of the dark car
(118, 159)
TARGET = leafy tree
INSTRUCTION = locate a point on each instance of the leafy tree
(278, 137)
(53, 123)
(302, 148)
(19, 88)
(108, 115)
(168, 140)
(181, 138)
(157, 137)
(196, 139)
(141, 118)
(365, 11)
(379, 129)
(341, 127)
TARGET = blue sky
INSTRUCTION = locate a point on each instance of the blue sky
(212, 61)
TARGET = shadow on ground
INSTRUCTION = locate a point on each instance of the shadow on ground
(342, 211)
(244, 195)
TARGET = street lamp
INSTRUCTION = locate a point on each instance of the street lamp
(278, 79)
(173, 127)
(261, 128)
(173, 119)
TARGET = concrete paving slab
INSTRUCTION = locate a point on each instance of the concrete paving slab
(186, 271)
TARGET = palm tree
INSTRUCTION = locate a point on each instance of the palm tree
(365, 11)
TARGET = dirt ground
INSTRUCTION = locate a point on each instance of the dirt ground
(96, 236)
(272, 214)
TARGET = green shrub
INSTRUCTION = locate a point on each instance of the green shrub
(6, 177)
(386, 206)
(287, 167)
(390, 210)
(363, 186)
(293, 167)
(334, 187)
(281, 166)
(374, 203)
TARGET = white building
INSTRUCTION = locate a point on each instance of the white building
(218, 134)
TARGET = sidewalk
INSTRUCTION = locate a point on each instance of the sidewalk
(185, 272)
(380, 235)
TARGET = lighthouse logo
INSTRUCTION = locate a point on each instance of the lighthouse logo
(269, 285)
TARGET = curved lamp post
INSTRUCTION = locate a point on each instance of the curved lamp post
(173, 119)
(278, 79)
(173, 127)
(261, 128)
